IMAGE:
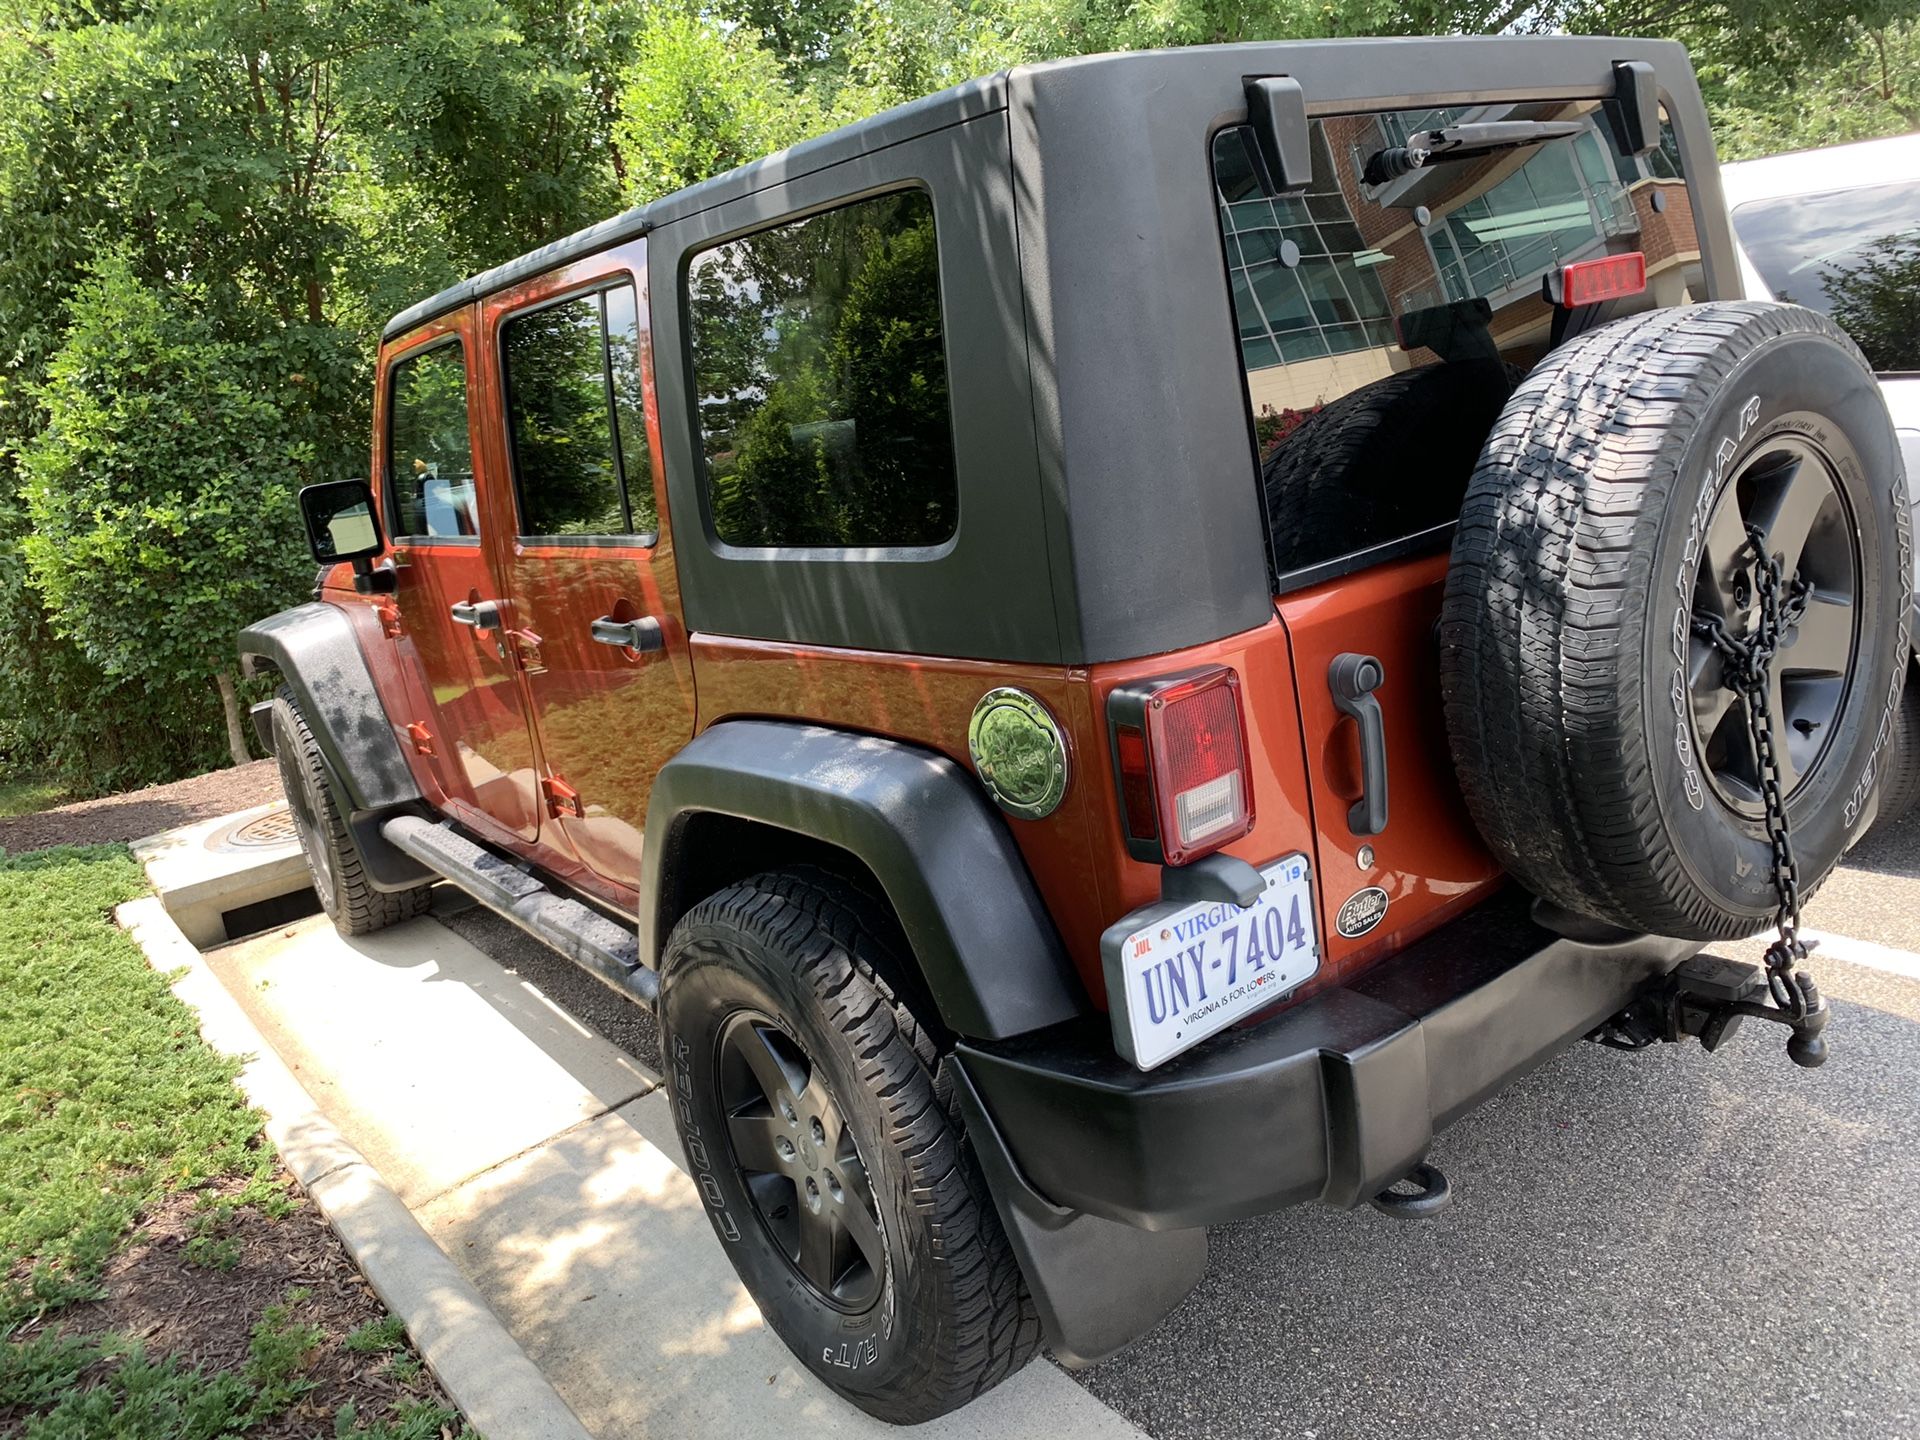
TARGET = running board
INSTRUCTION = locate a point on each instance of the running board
(610, 951)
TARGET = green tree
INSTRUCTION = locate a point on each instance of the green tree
(287, 175)
(161, 490)
(1877, 302)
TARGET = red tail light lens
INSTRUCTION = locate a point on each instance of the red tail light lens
(1588, 282)
(1180, 760)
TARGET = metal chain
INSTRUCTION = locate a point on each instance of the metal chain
(1747, 664)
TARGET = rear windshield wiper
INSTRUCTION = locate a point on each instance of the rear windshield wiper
(1459, 142)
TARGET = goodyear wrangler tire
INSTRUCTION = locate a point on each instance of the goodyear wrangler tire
(829, 1154)
(1603, 761)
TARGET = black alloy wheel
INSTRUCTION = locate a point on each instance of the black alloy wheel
(796, 1157)
(827, 1153)
(1789, 491)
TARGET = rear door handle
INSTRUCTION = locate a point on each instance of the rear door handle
(1353, 679)
(481, 614)
(643, 634)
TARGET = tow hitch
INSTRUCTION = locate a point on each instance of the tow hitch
(1708, 997)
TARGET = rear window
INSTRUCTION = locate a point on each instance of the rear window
(1854, 254)
(820, 365)
(1382, 327)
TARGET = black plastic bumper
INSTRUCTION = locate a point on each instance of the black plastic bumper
(1334, 1099)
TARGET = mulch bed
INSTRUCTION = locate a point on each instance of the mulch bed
(137, 814)
(204, 1317)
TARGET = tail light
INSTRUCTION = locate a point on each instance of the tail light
(1180, 763)
(1588, 282)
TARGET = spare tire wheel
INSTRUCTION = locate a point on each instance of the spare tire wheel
(1604, 761)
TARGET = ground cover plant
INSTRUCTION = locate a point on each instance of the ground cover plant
(160, 1277)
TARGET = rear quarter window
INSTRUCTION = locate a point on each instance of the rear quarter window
(1382, 328)
(820, 370)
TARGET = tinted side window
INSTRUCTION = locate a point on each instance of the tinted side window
(629, 409)
(1382, 327)
(429, 452)
(572, 434)
(821, 373)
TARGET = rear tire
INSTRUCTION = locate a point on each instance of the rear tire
(918, 1306)
(339, 872)
(1602, 759)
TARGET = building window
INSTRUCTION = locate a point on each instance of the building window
(820, 367)
(1304, 282)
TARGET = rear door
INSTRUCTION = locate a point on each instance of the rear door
(1382, 329)
(469, 725)
(588, 572)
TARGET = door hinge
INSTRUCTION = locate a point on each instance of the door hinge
(421, 737)
(562, 798)
(526, 650)
(389, 614)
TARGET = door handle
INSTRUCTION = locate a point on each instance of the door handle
(1353, 679)
(643, 634)
(481, 614)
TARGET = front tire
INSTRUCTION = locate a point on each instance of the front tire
(339, 872)
(830, 1158)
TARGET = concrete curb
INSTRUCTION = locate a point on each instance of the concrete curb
(482, 1367)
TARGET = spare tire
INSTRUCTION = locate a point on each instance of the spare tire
(1604, 762)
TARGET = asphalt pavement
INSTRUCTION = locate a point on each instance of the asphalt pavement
(1663, 1244)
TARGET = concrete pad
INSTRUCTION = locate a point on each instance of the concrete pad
(595, 1250)
(432, 1060)
(200, 874)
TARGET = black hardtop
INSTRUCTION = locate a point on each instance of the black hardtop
(1441, 62)
(1109, 493)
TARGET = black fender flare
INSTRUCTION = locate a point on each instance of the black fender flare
(313, 651)
(984, 943)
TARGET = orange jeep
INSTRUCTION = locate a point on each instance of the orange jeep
(1114, 648)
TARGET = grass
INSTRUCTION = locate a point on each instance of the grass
(136, 1397)
(109, 1102)
(25, 794)
(108, 1098)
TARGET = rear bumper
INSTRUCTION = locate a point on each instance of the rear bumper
(1334, 1099)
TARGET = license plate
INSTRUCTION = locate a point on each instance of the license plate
(1193, 970)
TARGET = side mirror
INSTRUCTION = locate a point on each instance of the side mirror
(341, 525)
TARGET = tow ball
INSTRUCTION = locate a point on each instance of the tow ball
(1707, 998)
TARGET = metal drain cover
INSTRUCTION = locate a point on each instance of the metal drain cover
(259, 832)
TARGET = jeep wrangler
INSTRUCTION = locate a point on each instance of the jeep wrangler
(1112, 649)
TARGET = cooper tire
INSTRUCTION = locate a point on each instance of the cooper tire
(339, 874)
(1580, 702)
(795, 965)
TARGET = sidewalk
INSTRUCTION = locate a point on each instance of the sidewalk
(543, 1160)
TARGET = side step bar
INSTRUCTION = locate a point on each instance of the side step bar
(609, 950)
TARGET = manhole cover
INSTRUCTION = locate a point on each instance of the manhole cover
(260, 833)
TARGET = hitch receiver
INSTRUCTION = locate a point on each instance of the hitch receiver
(1707, 998)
